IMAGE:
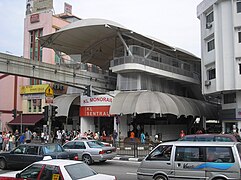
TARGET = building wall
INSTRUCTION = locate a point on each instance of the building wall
(225, 57)
(6, 99)
(49, 24)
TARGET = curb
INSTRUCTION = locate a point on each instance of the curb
(128, 159)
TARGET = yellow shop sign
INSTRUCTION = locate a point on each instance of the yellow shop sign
(34, 89)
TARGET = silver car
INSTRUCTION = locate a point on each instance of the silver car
(90, 151)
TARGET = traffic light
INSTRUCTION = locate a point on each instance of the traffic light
(14, 112)
(88, 91)
(46, 113)
(54, 110)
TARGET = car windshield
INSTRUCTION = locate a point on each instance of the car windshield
(79, 171)
(239, 150)
(95, 144)
(52, 148)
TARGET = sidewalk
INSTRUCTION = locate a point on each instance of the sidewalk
(128, 158)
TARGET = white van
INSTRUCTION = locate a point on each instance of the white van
(181, 160)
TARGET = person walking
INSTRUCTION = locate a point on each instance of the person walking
(28, 136)
(132, 136)
(17, 135)
(5, 141)
(182, 134)
(59, 136)
(22, 138)
(143, 138)
(115, 135)
(11, 141)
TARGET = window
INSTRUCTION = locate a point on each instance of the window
(189, 154)
(69, 145)
(162, 153)
(229, 98)
(20, 150)
(32, 150)
(219, 155)
(175, 63)
(209, 17)
(79, 145)
(209, 20)
(238, 7)
(239, 68)
(29, 105)
(211, 45)
(239, 37)
(35, 50)
(211, 74)
(32, 172)
(51, 172)
(79, 171)
(186, 67)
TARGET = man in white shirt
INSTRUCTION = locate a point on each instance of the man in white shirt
(59, 136)
(28, 136)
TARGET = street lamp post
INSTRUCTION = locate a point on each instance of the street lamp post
(21, 125)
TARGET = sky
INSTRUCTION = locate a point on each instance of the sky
(174, 22)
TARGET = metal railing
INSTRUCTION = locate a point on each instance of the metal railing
(154, 64)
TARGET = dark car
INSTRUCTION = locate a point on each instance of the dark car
(26, 154)
(211, 137)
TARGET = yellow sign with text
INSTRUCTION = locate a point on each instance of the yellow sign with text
(34, 89)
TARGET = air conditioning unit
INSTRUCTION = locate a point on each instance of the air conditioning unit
(207, 83)
(208, 25)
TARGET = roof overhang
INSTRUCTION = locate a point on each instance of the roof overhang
(96, 39)
(26, 119)
(140, 102)
(64, 102)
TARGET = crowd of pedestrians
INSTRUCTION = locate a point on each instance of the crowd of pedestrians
(9, 140)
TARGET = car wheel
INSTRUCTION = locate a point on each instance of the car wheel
(160, 177)
(3, 164)
(87, 159)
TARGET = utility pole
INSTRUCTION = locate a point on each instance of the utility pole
(49, 120)
(21, 126)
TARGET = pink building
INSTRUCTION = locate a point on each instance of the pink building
(14, 91)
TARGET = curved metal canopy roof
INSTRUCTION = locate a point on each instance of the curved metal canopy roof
(160, 103)
(64, 102)
(96, 39)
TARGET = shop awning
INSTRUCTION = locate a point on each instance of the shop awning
(160, 103)
(27, 119)
(64, 102)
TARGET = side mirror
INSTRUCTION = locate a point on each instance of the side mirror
(11, 152)
(18, 175)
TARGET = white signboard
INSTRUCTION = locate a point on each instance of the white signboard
(98, 100)
(67, 8)
(42, 5)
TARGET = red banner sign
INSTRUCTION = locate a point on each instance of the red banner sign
(95, 111)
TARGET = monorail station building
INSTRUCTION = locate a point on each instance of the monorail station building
(157, 86)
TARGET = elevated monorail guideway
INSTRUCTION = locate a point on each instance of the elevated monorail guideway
(75, 77)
